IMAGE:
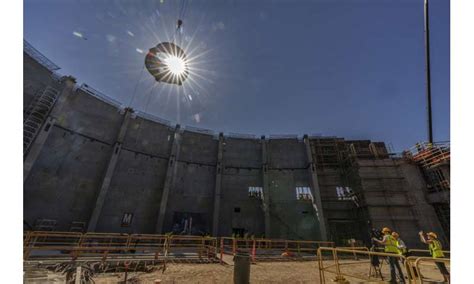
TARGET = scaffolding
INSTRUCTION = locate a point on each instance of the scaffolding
(429, 155)
(434, 159)
(348, 169)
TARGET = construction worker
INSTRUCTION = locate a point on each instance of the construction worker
(436, 251)
(402, 248)
(391, 247)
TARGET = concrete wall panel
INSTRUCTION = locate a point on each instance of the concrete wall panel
(287, 154)
(235, 197)
(136, 188)
(149, 137)
(243, 153)
(65, 179)
(192, 193)
(198, 148)
(90, 116)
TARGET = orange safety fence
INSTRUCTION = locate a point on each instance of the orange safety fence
(429, 155)
(192, 246)
(271, 249)
(38, 244)
(50, 244)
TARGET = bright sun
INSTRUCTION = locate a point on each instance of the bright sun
(176, 65)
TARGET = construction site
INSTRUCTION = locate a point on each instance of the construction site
(102, 181)
(113, 194)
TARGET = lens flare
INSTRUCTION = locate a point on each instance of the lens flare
(175, 64)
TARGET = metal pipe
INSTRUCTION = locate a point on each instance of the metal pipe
(428, 73)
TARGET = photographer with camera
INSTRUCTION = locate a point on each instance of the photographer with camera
(391, 247)
(436, 251)
(374, 259)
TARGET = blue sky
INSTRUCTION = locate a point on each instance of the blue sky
(348, 68)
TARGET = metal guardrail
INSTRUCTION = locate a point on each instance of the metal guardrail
(283, 136)
(153, 118)
(412, 252)
(39, 57)
(340, 276)
(411, 264)
(199, 130)
(71, 245)
(241, 135)
(429, 155)
(101, 96)
(270, 249)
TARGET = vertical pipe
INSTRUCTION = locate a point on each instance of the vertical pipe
(253, 251)
(428, 73)
(222, 249)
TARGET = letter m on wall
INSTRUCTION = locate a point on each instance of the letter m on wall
(127, 219)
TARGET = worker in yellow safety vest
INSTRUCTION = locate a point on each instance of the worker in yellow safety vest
(390, 244)
(436, 251)
(402, 248)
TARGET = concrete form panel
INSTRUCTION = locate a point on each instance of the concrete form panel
(198, 148)
(243, 153)
(65, 179)
(286, 154)
(149, 137)
(235, 184)
(136, 188)
(90, 116)
(192, 193)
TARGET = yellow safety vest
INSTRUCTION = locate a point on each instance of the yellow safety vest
(391, 245)
(436, 250)
(401, 251)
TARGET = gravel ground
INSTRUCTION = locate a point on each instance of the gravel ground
(269, 272)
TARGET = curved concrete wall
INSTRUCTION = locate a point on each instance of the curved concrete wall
(99, 163)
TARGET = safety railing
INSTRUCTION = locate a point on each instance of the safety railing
(354, 248)
(271, 249)
(39, 57)
(46, 244)
(416, 275)
(424, 252)
(365, 257)
(339, 258)
(192, 246)
(429, 155)
(103, 97)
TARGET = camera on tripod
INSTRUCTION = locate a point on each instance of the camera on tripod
(376, 233)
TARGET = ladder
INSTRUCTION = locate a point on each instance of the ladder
(36, 114)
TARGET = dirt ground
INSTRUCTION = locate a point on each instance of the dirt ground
(264, 272)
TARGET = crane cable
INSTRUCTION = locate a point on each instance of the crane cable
(145, 110)
(179, 22)
(136, 85)
(182, 12)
